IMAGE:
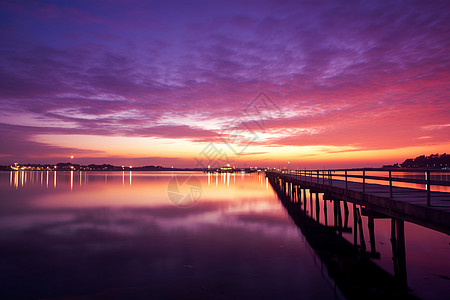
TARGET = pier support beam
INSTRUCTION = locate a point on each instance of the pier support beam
(355, 226)
(399, 251)
(362, 241)
(304, 200)
(317, 208)
(371, 225)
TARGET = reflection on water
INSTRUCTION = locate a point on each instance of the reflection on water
(117, 235)
(69, 178)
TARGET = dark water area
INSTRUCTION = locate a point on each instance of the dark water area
(120, 235)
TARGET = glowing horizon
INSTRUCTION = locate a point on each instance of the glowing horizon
(137, 83)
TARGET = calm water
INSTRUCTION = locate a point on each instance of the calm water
(118, 235)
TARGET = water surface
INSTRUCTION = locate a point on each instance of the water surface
(117, 235)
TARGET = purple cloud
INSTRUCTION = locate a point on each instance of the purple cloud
(339, 70)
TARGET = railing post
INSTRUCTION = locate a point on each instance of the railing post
(323, 176)
(428, 175)
(331, 179)
(390, 183)
(317, 176)
(346, 183)
(364, 181)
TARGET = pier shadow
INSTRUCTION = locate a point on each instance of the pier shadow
(349, 265)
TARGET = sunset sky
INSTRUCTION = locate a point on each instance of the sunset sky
(343, 83)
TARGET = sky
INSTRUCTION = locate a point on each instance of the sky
(304, 84)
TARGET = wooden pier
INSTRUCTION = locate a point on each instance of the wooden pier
(422, 206)
(348, 263)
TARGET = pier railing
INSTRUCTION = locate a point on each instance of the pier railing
(430, 178)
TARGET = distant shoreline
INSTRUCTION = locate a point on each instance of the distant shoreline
(132, 170)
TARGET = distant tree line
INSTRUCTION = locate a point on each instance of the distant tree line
(433, 161)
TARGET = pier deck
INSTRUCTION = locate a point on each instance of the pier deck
(421, 206)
